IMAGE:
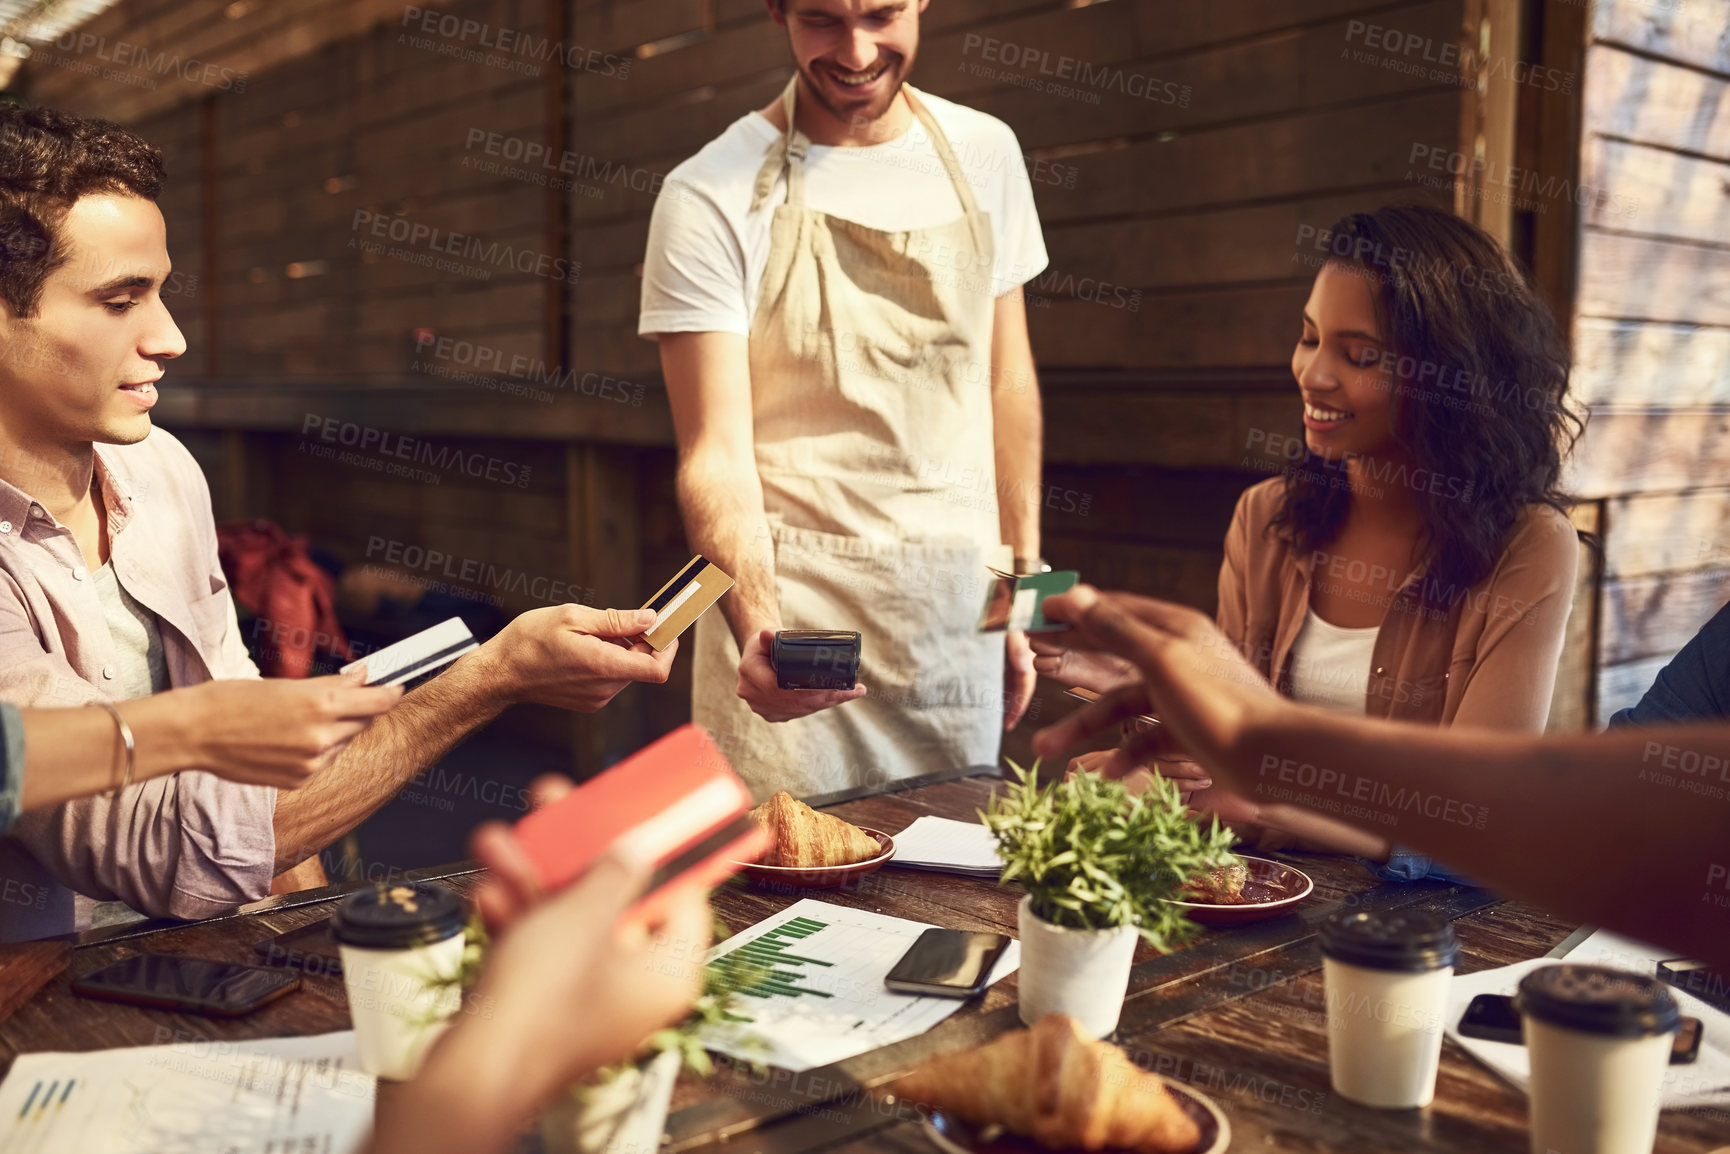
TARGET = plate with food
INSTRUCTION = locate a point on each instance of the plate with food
(814, 851)
(1253, 889)
(1052, 1088)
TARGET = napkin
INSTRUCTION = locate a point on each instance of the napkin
(943, 845)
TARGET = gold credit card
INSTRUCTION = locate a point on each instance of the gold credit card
(684, 599)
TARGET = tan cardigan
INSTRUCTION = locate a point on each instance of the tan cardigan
(1488, 661)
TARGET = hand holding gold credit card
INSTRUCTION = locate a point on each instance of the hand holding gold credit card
(684, 599)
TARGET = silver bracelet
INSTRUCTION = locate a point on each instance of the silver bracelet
(125, 734)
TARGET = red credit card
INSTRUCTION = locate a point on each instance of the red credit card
(676, 802)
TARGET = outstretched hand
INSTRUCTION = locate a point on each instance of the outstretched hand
(1054, 657)
(1192, 676)
(567, 656)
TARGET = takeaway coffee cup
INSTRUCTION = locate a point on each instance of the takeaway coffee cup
(1387, 976)
(402, 947)
(1599, 1042)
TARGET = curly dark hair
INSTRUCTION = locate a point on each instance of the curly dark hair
(48, 160)
(1478, 370)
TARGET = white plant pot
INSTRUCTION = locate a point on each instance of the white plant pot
(626, 1115)
(1082, 973)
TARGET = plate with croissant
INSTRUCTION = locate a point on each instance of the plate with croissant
(1251, 889)
(813, 850)
(1052, 1087)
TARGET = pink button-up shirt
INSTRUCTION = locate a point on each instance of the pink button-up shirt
(188, 845)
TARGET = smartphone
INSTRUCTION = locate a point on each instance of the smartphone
(1686, 1046)
(310, 949)
(1492, 1017)
(947, 963)
(190, 985)
(1699, 979)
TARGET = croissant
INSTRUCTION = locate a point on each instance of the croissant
(1057, 1086)
(810, 840)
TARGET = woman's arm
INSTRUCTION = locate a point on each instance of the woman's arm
(1525, 607)
(260, 732)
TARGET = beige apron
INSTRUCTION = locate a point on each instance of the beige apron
(871, 401)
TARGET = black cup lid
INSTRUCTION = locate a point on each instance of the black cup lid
(399, 916)
(1599, 1000)
(1410, 942)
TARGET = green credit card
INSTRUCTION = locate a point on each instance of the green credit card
(1018, 603)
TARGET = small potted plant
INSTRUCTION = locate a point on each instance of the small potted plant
(1099, 865)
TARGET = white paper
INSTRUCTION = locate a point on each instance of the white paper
(946, 845)
(1703, 1082)
(838, 1007)
(254, 1097)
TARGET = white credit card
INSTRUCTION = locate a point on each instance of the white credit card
(426, 652)
(1142, 720)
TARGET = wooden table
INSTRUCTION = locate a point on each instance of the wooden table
(1237, 1014)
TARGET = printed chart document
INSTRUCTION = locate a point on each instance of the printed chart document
(824, 999)
(944, 845)
(1703, 1082)
(266, 1096)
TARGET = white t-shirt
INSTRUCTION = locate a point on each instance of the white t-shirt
(1330, 665)
(707, 249)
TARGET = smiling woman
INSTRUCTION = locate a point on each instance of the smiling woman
(1427, 365)
(1417, 562)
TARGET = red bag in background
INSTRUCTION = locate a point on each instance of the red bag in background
(273, 576)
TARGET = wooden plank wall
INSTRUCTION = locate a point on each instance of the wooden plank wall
(1270, 116)
(1652, 333)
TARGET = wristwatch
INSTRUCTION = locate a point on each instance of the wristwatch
(1026, 566)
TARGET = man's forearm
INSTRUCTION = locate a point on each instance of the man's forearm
(1018, 431)
(1656, 855)
(1018, 435)
(371, 769)
(725, 522)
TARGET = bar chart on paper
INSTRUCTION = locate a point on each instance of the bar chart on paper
(822, 998)
(784, 968)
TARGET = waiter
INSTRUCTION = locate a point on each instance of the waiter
(835, 283)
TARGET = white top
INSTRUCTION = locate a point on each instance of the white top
(1330, 665)
(707, 249)
(142, 666)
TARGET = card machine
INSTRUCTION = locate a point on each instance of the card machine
(816, 658)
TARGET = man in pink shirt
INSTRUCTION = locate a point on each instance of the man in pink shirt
(109, 581)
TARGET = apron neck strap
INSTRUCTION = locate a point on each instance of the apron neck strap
(940, 142)
(783, 154)
(789, 153)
